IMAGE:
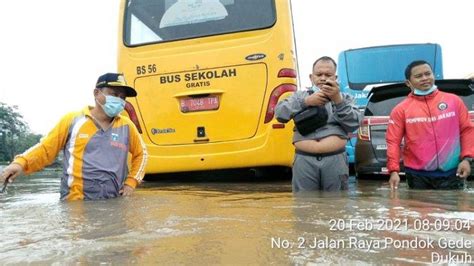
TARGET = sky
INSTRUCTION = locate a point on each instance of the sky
(52, 51)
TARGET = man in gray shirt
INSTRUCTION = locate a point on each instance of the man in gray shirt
(320, 160)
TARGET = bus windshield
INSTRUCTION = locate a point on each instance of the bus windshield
(150, 21)
(377, 64)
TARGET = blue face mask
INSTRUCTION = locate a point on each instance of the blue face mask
(113, 105)
(423, 93)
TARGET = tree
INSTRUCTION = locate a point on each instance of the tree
(15, 135)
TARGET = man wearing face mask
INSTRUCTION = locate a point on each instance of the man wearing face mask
(437, 133)
(95, 142)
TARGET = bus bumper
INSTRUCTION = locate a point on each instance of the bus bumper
(271, 149)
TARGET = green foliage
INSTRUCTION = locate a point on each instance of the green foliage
(15, 135)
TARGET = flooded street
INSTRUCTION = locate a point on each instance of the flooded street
(206, 222)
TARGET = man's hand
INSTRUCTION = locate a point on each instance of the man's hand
(316, 99)
(332, 91)
(464, 169)
(394, 181)
(126, 190)
(11, 172)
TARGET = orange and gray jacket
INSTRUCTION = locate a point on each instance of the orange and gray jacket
(95, 162)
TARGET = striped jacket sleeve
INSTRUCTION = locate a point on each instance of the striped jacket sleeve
(139, 158)
(44, 153)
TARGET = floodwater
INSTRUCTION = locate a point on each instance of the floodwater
(256, 222)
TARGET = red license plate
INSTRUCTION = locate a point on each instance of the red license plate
(199, 104)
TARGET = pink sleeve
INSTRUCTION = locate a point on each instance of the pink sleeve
(466, 129)
(395, 132)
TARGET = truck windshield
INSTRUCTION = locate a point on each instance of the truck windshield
(383, 64)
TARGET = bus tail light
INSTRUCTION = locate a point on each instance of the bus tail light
(279, 125)
(133, 115)
(364, 129)
(276, 93)
(287, 73)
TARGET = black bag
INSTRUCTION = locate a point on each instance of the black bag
(310, 119)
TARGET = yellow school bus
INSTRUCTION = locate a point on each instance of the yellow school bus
(208, 75)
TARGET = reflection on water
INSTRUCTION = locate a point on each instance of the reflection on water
(234, 222)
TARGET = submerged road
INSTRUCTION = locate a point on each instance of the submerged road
(200, 221)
